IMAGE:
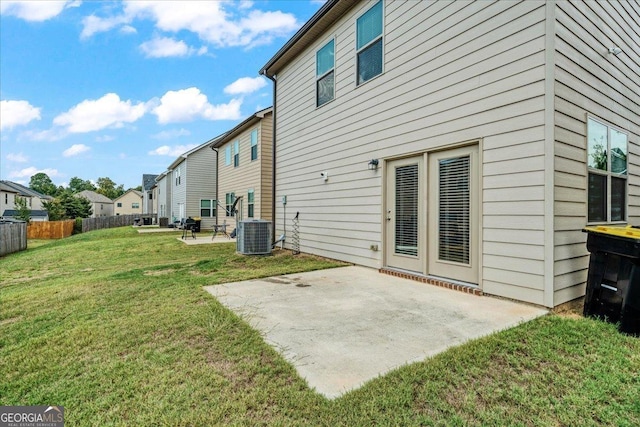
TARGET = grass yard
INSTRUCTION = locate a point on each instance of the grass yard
(115, 326)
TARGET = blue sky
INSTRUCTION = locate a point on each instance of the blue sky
(121, 88)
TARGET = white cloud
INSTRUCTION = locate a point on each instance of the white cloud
(128, 29)
(93, 24)
(34, 10)
(75, 149)
(169, 134)
(30, 171)
(245, 85)
(222, 24)
(16, 113)
(105, 138)
(92, 115)
(175, 151)
(190, 104)
(17, 158)
(162, 47)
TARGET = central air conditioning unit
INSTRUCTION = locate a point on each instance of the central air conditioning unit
(254, 237)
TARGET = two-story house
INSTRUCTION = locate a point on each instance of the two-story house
(10, 190)
(462, 142)
(100, 205)
(129, 203)
(245, 169)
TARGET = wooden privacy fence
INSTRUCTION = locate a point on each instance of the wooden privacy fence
(13, 237)
(90, 224)
(50, 229)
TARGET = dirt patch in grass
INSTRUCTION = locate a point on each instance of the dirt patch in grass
(159, 272)
(572, 309)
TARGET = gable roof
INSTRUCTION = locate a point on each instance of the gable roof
(14, 187)
(148, 181)
(328, 14)
(251, 120)
(186, 154)
(136, 192)
(94, 197)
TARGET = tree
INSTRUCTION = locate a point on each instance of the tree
(41, 183)
(68, 206)
(108, 188)
(22, 210)
(77, 185)
(55, 209)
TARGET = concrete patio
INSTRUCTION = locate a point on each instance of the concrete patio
(342, 327)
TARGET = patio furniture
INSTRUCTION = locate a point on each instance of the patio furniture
(220, 228)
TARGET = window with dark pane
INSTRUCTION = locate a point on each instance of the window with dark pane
(454, 219)
(369, 43)
(250, 203)
(406, 226)
(254, 144)
(607, 164)
(325, 73)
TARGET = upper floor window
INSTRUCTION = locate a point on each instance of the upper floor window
(178, 180)
(227, 155)
(607, 169)
(134, 205)
(119, 205)
(369, 43)
(254, 144)
(325, 74)
(236, 154)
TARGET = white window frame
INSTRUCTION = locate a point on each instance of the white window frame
(251, 203)
(608, 174)
(254, 143)
(236, 153)
(211, 208)
(326, 73)
(366, 46)
(229, 197)
(227, 155)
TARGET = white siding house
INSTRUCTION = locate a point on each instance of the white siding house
(245, 168)
(193, 185)
(163, 190)
(460, 142)
(101, 205)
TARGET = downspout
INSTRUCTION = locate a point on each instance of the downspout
(216, 206)
(273, 158)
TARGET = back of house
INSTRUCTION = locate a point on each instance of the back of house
(456, 141)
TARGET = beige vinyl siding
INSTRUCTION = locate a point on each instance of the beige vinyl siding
(591, 81)
(200, 180)
(453, 72)
(249, 174)
(264, 192)
(127, 200)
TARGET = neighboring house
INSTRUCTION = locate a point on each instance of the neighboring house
(10, 190)
(163, 191)
(148, 202)
(245, 169)
(489, 124)
(100, 205)
(129, 203)
(193, 185)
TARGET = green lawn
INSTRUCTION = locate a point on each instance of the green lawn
(115, 326)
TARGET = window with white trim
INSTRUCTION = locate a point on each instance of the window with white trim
(254, 144)
(369, 43)
(227, 155)
(178, 180)
(325, 73)
(119, 204)
(607, 151)
(230, 198)
(207, 208)
(250, 203)
(236, 154)
(135, 205)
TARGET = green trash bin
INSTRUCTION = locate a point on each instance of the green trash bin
(613, 282)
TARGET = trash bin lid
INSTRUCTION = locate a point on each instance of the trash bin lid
(628, 232)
